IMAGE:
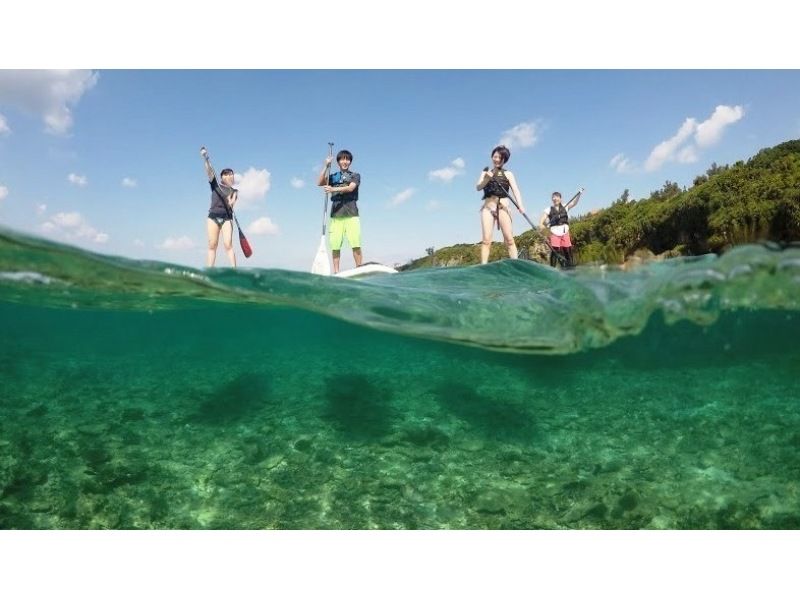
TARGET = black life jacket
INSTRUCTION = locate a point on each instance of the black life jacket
(558, 215)
(498, 186)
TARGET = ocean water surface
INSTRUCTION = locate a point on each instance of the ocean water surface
(141, 395)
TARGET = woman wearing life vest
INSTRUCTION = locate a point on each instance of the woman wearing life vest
(557, 218)
(495, 183)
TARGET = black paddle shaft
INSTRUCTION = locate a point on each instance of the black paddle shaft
(516, 205)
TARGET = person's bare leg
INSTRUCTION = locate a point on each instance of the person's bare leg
(227, 240)
(357, 256)
(213, 241)
(508, 233)
(336, 254)
(487, 223)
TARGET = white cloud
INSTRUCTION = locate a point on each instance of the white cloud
(263, 226)
(41, 209)
(705, 134)
(49, 94)
(666, 150)
(177, 244)
(77, 179)
(129, 182)
(447, 173)
(68, 219)
(522, 135)
(402, 197)
(4, 128)
(433, 205)
(3, 192)
(252, 185)
(138, 243)
(74, 226)
(620, 163)
(298, 183)
(687, 155)
(710, 131)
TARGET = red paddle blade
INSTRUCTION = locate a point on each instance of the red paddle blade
(246, 249)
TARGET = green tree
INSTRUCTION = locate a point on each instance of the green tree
(747, 202)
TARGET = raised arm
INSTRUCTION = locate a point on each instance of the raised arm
(207, 163)
(574, 201)
(323, 176)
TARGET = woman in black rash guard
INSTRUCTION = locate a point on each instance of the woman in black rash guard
(223, 198)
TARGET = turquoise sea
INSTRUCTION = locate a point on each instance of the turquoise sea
(142, 395)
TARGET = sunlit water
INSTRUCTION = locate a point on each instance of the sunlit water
(144, 395)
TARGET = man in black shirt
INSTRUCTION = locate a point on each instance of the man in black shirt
(343, 186)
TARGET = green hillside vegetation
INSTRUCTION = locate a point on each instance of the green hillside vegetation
(747, 202)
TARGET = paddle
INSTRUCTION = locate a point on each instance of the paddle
(322, 264)
(514, 201)
(246, 249)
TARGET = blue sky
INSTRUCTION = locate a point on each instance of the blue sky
(105, 126)
(109, 160)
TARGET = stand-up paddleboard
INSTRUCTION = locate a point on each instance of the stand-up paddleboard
(368, 269)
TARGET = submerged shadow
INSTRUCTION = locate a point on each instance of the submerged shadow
(486, 415)
(358, 408)
(236, 400)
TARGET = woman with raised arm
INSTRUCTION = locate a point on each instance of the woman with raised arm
(220, 213)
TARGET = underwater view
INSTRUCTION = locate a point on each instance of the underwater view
(143, 395)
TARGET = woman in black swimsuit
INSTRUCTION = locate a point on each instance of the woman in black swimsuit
(495, 183)
(223, 198)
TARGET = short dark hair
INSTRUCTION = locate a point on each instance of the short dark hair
(555, 193)
(344, 154)
(226, 171)
(504, 152)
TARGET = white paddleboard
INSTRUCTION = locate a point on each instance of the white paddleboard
(366, 270)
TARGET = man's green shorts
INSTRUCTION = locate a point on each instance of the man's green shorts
(350, 227)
